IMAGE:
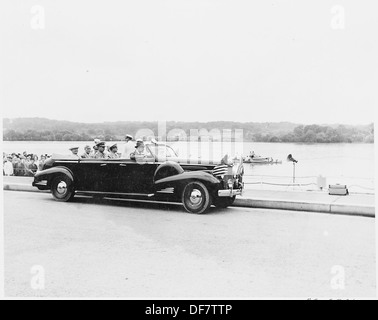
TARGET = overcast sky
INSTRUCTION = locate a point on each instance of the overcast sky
(191, 60)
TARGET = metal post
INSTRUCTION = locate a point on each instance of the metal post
(293, 172)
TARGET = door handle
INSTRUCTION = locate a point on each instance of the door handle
(104, 165)
(123, 165)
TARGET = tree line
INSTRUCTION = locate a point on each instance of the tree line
(320, 134)
(51, 130)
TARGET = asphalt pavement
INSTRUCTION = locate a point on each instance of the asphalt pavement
(111, 248)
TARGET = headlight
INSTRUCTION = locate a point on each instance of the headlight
(230, 183)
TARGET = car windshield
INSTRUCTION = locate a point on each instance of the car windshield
(162, 151)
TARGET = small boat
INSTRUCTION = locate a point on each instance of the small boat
(260, 160)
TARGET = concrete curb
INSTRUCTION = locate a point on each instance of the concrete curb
(352, 210)
(20, 187)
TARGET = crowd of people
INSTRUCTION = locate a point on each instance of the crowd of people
(25, 164)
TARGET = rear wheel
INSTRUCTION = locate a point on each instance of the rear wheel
(224, 202)
(62, 188)
(196, 198)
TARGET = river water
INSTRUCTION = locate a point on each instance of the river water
(350, 164)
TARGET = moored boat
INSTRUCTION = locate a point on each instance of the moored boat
(254, 159)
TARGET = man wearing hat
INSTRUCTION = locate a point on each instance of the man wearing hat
(139, 153)
(87, 152)
(129, 147)
(113, 152)
(95, 148)
(75, 152)
(100, 154)
(94, 151)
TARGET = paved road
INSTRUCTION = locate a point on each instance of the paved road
(117, 248)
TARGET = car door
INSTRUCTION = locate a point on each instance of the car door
(136, 178)
(114, 167)
(96, 175)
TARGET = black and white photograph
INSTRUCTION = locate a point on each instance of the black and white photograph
(188, 150)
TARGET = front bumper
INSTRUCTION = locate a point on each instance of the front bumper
(41, 185)
(230, 193)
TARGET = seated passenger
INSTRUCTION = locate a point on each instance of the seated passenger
(93, 152)
(87, 152)
(75, 152)
(113, 152)
(100, 154)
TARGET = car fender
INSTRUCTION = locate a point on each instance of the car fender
(182, 179)
(167, 169)
(48, 173)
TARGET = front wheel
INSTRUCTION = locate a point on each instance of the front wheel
(196, 198)
(62, 188)
(224, 202)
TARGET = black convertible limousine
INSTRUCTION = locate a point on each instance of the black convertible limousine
(163, 176)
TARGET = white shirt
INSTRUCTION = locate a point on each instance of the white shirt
(8, 168)
(129, 149)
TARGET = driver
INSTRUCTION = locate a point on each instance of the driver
(139, 150)
(139, 154)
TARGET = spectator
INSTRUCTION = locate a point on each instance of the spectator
(19, 169)
(4, 161)
(24, 166)
(14, 160)
(31, 168)
(8, 167)
(41, 163)
(36, 160)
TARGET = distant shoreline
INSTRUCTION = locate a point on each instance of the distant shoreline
(173, 141)
(38, 129)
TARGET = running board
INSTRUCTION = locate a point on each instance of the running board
(118, 194)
